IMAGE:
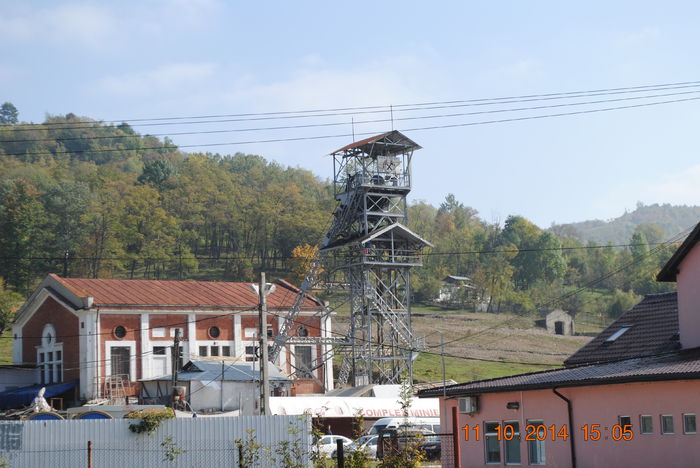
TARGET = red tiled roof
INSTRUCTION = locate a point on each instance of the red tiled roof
(393, 139)
(679, 365)
(154, 293)
(653, 329)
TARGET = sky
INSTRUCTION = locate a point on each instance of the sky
(127, 60)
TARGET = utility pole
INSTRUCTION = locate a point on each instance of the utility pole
(442, 353)
(174, 358)
(263, 289)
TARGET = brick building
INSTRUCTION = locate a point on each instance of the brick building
(90, 329)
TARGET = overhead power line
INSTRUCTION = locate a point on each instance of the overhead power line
(289, 257)
(376, 108)
(356, 122)
(346, 135)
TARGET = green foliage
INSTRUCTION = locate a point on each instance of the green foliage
(170, 449)
(358, 458)
(620, 302)
(248, 450)
(10, 302)
(8, 114)
(149, 419)
(121, 204)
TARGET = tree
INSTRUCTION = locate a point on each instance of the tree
(23, 233)
(156, 173)
(300, 263)
(8, 114)
(10, 301)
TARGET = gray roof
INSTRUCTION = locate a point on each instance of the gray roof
(233, 371)
(668, 366)
(653, 329)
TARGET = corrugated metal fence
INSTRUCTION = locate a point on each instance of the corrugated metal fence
(197, 442)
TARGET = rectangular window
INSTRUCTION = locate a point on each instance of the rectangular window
(203, 351)
(41, 357)
(491, 443)
(49, 356)
(119, 360)
(270, 331)
(214, 350)
(159, 350)
(58, 355)
(50, 373)
(689, 426)
(303, 362)
(511, 430)
(225, 350)
(667, 424)
(158, 332)
(172, 332)
(624, 421)
(535, 447)
(646, 424)
(59, 372)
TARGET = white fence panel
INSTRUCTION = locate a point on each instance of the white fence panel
(203, 442)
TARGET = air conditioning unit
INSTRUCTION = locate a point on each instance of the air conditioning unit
(469, 405)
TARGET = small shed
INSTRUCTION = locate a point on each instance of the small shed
(560, 322)
(217, 386)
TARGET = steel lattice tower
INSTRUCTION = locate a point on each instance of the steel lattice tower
(369, 242)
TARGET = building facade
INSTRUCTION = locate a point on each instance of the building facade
(93, 330)
(627, 398)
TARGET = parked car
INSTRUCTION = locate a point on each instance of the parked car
(327, 444)
(432, 446)
(367, 444)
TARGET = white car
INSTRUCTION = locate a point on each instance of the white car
(367, 444)
(328, 443)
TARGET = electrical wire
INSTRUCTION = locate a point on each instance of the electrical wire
(345, 135)
(393, 107)
(289, 127)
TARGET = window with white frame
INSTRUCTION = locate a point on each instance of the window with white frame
(689, 426)
(667, 424)
(511, 440)
(646, 424)
(537, 433)
(303, 361)
(250, 353)
(50, 356)
(492, 445)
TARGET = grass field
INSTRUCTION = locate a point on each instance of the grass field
(483, 346)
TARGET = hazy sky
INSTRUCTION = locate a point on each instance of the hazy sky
(152, 59)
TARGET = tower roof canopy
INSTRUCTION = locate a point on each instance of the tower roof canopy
(384, 144)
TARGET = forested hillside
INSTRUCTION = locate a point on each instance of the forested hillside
(83, 198)
(671, 219)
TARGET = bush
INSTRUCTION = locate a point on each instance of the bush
(150, 419)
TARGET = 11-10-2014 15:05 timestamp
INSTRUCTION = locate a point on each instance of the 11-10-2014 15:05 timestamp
(591, 432)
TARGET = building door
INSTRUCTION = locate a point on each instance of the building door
(559, 327)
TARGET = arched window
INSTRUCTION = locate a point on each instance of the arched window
(49, 356)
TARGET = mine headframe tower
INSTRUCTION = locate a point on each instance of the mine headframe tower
(369, 242)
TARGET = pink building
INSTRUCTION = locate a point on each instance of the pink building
(628, 398)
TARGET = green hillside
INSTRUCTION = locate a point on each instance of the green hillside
(671, 219)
